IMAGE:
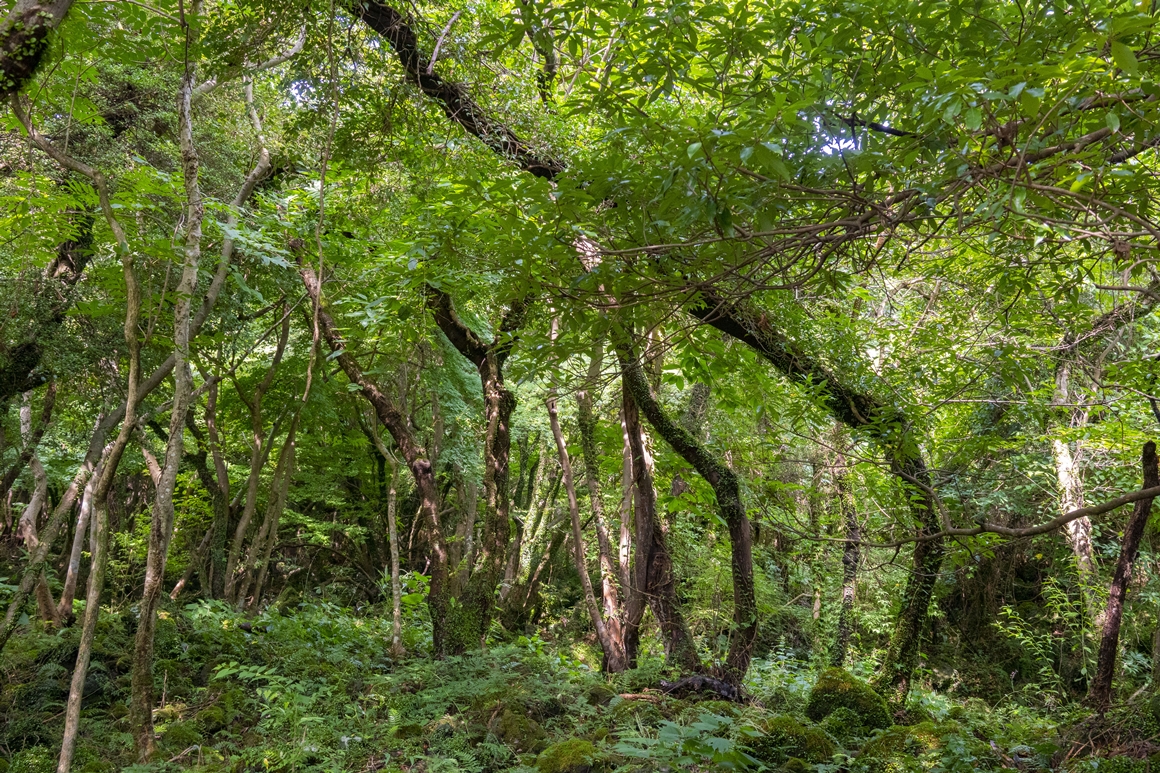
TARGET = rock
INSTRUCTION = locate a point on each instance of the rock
(845, 724)
(599, 695)
(572, 756)
(520, 732)
(784, 737)
(836, 688)
(900, 749)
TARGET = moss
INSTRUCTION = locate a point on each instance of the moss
(520, 732)
(636, 713)
(796, 765)
(212, 718)
(836, 688)
(571, 756)
(38, 759)
(845, 724)
(179, 736)
(900, 749)
(784, 737)
(693, 712)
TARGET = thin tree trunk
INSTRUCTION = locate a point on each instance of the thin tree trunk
(28, 525)
(31, 438)
(850, 557)
(397, 423)
(75, 554)
(397, 650)
(902, 655)
(1100, 690)
(1078, 531)
(654, 581)
(624, 552)
(161, 527)
(98, 547)
(263, 544)
(194, 558)
(474, 613)
(614, 656)
(608, 571)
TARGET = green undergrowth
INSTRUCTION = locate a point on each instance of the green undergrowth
(313, 689)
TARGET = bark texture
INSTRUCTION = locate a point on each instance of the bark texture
(1100, 689)
(474, 613)
(453, 98)
(24, 39)
(653, 581)
(727, 489)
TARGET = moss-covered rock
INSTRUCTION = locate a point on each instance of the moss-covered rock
(599, 695)
(836, 688)
(572, 756)
(784, 737)
(635, 713)
(518, 731)
(694, 711)
(902, 748)
(846, 725)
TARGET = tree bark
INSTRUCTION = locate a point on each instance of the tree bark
(653, 581)
(1100, 690)
(610, 595)
(24, 39)
(397, 650)
(615, 659)
(162, 518)
(727, 489)
(891, 429)
(474, 613)
(850, 557)
(31, 439)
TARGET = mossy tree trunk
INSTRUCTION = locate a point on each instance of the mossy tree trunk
(850, 557)
(477, 602)
(1100, 690)
(653, 580)
(727, 489)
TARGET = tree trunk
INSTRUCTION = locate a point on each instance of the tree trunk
(612, 645)
(727, 489)
(653, 571)
(397, 424)
(263, 545)
(161, 528)
(474, 613)
(72, 574)
(850, 556)
(608, 572)
(902, 655)
(397, 650)
(1100, 689)
(24, 39)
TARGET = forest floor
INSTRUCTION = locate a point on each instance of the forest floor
(314, 689)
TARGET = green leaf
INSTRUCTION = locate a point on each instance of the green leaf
(1125, 58)
(693, 149)
(973, 119)
(1113, 121)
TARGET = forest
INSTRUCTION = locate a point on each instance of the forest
(579, 387)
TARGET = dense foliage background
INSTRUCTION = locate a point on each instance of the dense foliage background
(579, 386)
